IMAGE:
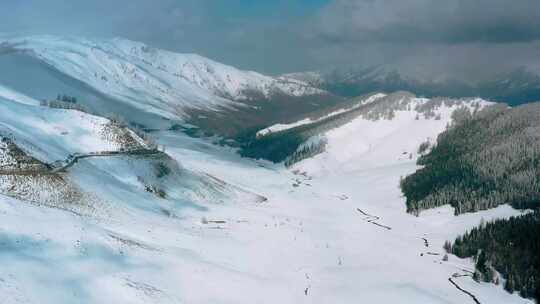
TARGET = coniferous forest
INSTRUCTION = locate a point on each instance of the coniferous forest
(511, 247)
(485, 159)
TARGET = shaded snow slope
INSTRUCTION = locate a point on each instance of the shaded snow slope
(150, 79)
(307, 121)
(10, 94)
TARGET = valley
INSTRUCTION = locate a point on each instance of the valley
(279, 248)
(171, 178)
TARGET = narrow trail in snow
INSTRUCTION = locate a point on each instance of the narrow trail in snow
(475, 299)
(372, 219)
(72, 160)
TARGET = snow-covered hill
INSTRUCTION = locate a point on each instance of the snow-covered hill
(370, 142)
(52, 134)
(373, 130)
(35, 140)
(35, 137)
(150, 79)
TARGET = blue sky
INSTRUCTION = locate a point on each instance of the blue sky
(461, 37)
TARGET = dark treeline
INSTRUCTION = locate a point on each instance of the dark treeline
(274, 147)
(511, 247)
(307, 150)
(64, 101)
(485, 159)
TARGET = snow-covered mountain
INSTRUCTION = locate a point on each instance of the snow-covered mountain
(151, 79)
(517, 86)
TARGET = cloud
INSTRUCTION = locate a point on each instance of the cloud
(464, 38)
(428, 21)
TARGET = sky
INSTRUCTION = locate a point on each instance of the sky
(454, 38)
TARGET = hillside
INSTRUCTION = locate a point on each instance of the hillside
(35, 139)
(37, 142)
(485, 160)
(372, 127)
(52, 134)
(508, 247)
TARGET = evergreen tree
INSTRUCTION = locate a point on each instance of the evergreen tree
(480, 162)
(509, 246)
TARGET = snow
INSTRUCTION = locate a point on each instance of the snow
(9, 94)
(366, 143)
(305, 244)
(282, 127)
(157, 81)
(305, 237)
(52, 134)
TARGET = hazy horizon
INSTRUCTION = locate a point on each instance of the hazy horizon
(455, 39)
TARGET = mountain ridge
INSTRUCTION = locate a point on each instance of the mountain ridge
(168, 82)
(516, 86)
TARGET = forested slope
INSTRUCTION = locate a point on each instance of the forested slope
(484, 160)
(508, 246)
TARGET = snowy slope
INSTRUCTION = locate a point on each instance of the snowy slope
(388, 130)
(52, 134)
(154, 80)
(307, 244)
(9, 94)
(33, 137)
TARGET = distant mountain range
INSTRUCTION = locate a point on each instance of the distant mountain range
(521, 85)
